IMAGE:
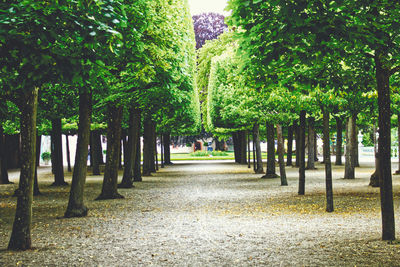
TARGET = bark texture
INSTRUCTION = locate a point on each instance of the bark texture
(3, 160)
(339, 140)
(384, 143)
(239, 143)
(281, 152)
(131, 153)
(302, 153)
(21, 231)
(296, 129)
(235, 146)
(162, 150)
(248, 149)
(398, 141)
(167, 148)
(36, 190)
(256, 140)
(109, 189)
(289, 161)
(351, 136)
(68, 153)
(121, 143)
(311, 143)
(148, 148)
(155, 150)
(75, 207)
(137, 174)
(96, 151)
(271, 172)
(254, 156)
(315, 147)
(374, 179)
(328, 164)
(219, 144)
(57, 153)
(242, 148)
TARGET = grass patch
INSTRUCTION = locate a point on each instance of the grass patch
(219, 153)
(199, 154)
(210, 153)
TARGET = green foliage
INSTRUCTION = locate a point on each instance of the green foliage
(208, 153)
(178, 109)
(46, 156)
(367, 139)
(199, 154)
(219, 153)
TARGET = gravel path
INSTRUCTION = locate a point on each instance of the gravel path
(208, 214)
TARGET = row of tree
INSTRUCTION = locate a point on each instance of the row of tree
(94, 64)
(296, 64)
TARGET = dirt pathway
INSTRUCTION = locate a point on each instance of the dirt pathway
(208, 214)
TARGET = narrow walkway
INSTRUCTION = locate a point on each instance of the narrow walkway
(209, 214)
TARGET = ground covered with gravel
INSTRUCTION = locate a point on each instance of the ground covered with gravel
(208, 214)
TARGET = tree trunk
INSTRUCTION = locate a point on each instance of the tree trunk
(36, 190)
(76, 208)
(256, 140)
(315, 147)
(328, 165)
(242, 147)
(21, 231)
(58, 155)
(254, 155)
(3, 160)
(290, 146)
(398, 141)
(131, 153)
(271, 173)
(311, 149)
(236, 146)
(97, 146)
(120, 153)
(302, 153)
(137, 174)
(219, 145)
(248, 150)
(281, 155)
(125, 149)
(339, 140)
(167, 149)
(296, 129)
(96, 152)
(90, 153)
(68, 153)
(153, 147)
(356, 157)
(374, 179)
(162, 150)
(384, 146)
(109, 189)
(351, 136)
(148, 150)
(155, 150)
(52, 154)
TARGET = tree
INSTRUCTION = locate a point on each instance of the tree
(33, 57)
(56, 102)
(349, 29)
